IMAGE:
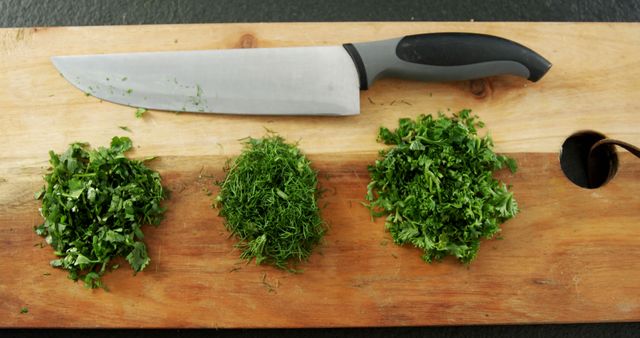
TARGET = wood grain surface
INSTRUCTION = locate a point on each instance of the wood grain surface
(571, 255)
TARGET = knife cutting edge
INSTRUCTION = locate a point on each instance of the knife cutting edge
(322, 80)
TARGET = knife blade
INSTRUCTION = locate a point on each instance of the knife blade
(321, 80)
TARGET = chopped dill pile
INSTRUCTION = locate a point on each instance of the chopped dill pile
(436, 186)
(269, 199)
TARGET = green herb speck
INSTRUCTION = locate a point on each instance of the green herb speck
(38, 194)
(140, 112)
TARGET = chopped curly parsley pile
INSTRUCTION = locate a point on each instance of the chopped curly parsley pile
(436, 187)
(94, 205)
(269, 199)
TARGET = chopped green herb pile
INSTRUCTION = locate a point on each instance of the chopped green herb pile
(24, 310)
(269, 200)
(94, 204)
(436, 186)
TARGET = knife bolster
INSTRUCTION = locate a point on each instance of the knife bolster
(357, 61)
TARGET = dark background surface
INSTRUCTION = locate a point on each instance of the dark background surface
(15, 13)
(27, 13)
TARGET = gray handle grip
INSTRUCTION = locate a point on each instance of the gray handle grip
(445, 57)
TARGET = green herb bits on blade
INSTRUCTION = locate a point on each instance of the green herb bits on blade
(436, 187)
(94, 205)
(269, 199)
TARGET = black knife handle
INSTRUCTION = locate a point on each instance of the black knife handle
(445, 57)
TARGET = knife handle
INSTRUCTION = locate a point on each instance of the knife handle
(445, 57)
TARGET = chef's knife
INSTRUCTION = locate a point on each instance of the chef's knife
(295, 80)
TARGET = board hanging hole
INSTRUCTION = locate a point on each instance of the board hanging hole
(587, 166)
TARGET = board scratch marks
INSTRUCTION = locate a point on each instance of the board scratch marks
(158, 257)
(576, 283)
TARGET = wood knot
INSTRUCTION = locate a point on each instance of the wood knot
(480, 88)
(248, 41)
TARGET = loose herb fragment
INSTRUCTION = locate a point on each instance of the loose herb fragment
(435, 186)
(140, 112)
(94, 205)
(269, 200)
(24, 310)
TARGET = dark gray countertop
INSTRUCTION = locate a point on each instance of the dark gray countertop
(115, 12)
(25, 13)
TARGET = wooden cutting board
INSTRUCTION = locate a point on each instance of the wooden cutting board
(571, 255)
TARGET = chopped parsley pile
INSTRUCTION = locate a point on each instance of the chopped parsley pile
(269, 201)
(436, 187)
(94, 205)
